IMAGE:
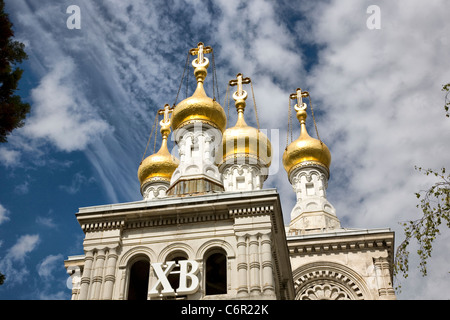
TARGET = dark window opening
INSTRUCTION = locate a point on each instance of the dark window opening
(138, 286)
(216, 274)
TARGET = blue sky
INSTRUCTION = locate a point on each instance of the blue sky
(94, 91)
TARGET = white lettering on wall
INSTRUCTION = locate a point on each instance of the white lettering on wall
(189, 282)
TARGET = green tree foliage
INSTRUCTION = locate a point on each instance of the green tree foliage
(2, 279)
(447, 101)
(12, 110)
(435, 206)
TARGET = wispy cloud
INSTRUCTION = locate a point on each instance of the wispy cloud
(9, 157)
(61, 114)
(48, 265)
(22, 188)
(13, 263)
(46, 221)
(4, 213)
(78, 181)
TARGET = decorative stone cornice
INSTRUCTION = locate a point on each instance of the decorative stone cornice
(350, 241)
(251, 211)
(176, 211)
(101, 226)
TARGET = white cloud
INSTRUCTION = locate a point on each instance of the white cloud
(61, 115)
(3, 214)
(13, 263)
(22, 188)
(381, 93)
(45, 221)
(78, 181)
(8, 157)
(24, 245)
(48, 265)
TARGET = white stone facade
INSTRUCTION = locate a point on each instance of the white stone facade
(343, 265)
(242, 177)
(197, 143)
(251, 237)
(312, 212)
(155, 190)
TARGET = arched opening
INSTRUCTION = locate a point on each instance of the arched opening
(138, 281)
(216, 273)
(174, 276)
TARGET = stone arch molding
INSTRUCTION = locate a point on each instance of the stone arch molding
(215, 244)
(134, 253)
(178, 246)
(328, 281)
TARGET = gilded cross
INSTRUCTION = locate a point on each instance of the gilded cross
(166, 111)
(299, 95)
(200, 51)
(240, 80)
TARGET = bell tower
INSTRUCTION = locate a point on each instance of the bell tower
(329, 262)
(307, 161)
(198, 123)
(246, 151)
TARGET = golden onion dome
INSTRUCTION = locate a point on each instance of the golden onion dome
(245, 142)
(305, 149)
(159, 166)
(199, 107)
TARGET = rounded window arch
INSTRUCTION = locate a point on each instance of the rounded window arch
(138, 278)
(328, 281)
(215, 269)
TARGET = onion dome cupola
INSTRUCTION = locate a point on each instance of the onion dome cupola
(305, 150)
(156, 170)
(246, 151)
(307, 162)
(199, 107)
(198, 123)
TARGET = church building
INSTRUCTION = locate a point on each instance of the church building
(207, 228)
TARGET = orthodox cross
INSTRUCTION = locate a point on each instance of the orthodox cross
(240, 80)
(200, 51)
(166, 111)
(299, 95)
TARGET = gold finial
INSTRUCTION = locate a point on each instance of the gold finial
(300, 107)
(165, 122)
(200, 63)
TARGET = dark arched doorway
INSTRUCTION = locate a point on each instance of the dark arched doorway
(216, 274)
(138, 285)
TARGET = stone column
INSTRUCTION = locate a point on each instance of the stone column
(75, 277)
(242, 267)
(122, 283)
(385, 289)
(110, 277)
(267, 265)
(255, 286)
(86, 278)
(98, 275)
